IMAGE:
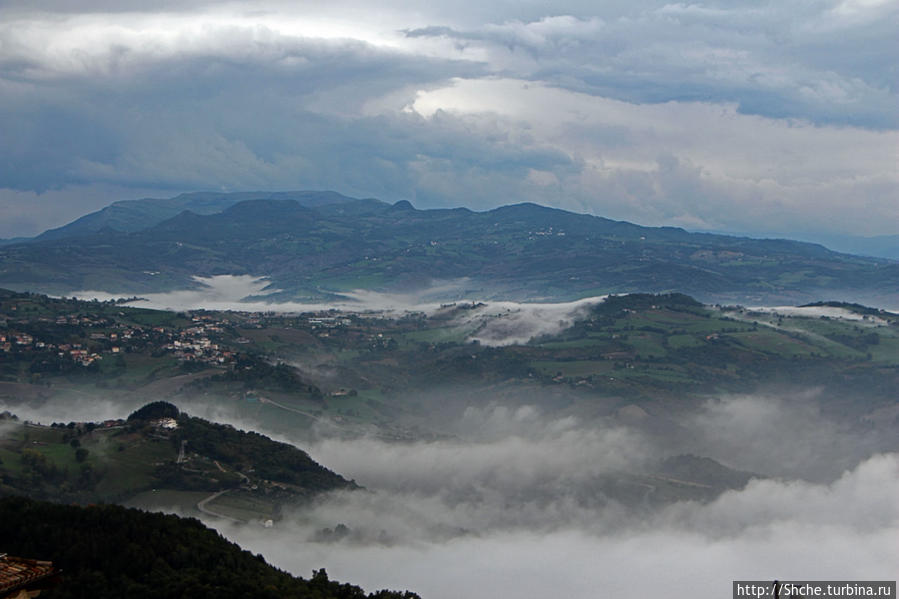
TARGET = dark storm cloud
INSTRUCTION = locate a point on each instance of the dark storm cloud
(775, 61)
(270, 95)
(240, 120)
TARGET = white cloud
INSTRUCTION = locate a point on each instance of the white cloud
(507, 508)
(444, 541)
(492, 323)
(706, 115)
(782, 435)
(508, 323)
(695, 164)
(28, 213)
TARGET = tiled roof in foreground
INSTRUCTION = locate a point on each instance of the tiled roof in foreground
(17, 572)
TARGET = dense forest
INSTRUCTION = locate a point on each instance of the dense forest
(249, 450)
(111, 551)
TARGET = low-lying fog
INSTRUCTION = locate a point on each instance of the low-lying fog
(511, 503)
(506, 510)
(490, 323)
(255, 294)
(510, 506)
(493, 323)
(772, 529)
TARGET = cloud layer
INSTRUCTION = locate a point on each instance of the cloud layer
(490, 323)
(778, 117)
(511, 506)
(503, 517)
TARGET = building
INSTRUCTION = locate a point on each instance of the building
(21, 578)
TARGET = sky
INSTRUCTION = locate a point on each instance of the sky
(766, 117)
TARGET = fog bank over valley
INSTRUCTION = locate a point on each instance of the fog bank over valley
(478, 300)
(523, 502)
(490, 322)
(525, 514)
(255, 294)
(771, 529)
(493, 476)
(520, 510)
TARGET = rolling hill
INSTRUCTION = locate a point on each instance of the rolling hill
(159, 457)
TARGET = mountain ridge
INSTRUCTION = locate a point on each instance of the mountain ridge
(128, 216)
(313, 244)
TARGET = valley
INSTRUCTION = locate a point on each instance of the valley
(486, 300)
(641, 361)
(380, 371)
(380, 425)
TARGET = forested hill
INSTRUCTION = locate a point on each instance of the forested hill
(311, 245)
(161, 455)
(107, 551)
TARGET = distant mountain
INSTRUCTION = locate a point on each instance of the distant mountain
(12, 240)
(128, 216)
(880, 246)
(312, 244)
(877, 246)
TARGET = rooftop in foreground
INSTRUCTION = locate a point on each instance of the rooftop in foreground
(18, 574)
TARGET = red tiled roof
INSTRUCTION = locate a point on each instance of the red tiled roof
(18, 572)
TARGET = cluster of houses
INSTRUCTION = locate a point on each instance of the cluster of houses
(193, 344)
(328, 322)
(196, 343)
(7, 340)
(548, 232)
(190, 344)
(19, 342)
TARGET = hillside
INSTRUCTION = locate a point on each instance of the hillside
(324, 244)
(159, 457)
(393, 374)
(643, 361)
(108, 551)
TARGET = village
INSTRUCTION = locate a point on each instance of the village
(105, 337)
(41, 337)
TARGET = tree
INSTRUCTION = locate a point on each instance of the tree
(154, 411)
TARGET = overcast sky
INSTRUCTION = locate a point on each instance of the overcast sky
(776, 117)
